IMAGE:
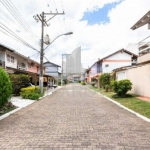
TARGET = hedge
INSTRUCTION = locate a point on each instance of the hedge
(32, 92)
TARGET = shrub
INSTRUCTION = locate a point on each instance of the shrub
(106, 87)
(31, 93)
(105, 79)
(19, 81)
(83, 83)
(5, 87)
(121, 87)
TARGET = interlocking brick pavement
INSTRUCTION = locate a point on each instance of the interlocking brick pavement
(74, 118)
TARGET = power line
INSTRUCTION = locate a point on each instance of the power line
(10, 9)
(58, 16)
(16, 36)
(64, 15)
(6, 15)
(22, 18)
(19, 20)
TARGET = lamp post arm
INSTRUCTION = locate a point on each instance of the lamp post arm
(52, 41)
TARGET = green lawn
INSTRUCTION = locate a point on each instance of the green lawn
(131, 101)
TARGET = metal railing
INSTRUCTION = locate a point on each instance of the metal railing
(144, 45)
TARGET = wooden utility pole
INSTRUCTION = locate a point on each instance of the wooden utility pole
(44, 22)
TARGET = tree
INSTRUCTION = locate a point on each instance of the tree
(105, 80)
(5, 87)
(121, 87)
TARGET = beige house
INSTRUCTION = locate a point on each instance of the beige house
(139, 74)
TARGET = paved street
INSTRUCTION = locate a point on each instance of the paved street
(74, 118)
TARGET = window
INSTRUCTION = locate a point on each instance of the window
(10, 58)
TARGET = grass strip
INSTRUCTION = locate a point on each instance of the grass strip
(130, 101)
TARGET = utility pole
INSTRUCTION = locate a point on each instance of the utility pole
(62, 68)
(44, 22)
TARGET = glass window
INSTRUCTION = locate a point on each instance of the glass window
(12, 59)
(8, 57)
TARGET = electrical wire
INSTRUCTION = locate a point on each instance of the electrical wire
(19, 20)
(6, 15)
(16, 36)
(9, 8)
(58, 16)
(64, 15)
(23, 19)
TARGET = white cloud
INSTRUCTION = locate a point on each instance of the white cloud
(99, 39)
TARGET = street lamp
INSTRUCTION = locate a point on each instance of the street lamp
(62, 69)
(68, 33)
(41, 59)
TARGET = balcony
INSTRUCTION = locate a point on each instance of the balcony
(144, 58)
(21, 67)
(144, 46)
(2, 64)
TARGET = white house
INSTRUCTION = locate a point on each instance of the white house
(115, 60)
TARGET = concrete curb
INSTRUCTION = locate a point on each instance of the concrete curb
(17, 109)
(129, 110)
(9, 113)
(51, 92)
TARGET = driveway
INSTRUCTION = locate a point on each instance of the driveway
(74, 118)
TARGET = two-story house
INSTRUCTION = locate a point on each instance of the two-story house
(139, 74)
(117, 59)
(53, 70)
(14, 62)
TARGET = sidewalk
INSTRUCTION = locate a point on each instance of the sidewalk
(21, 103)
(144, 98)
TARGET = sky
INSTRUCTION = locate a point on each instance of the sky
(100, 27)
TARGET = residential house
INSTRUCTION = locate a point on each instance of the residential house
(53, 70)
(107, 64)
(139, 74)
(14, 62)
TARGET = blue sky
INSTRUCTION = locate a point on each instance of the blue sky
(100, 15)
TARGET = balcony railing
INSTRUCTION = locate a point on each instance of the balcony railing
(21, 67)
(2, 64)
(144, 45)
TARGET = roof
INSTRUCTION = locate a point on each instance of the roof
(12, 50)
(51, 63)
(131, 66)
(134, 55)
(128, 52)
(144, 20)
(28, 72)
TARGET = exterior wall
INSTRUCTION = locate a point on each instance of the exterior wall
(144, 58)
(33, 68)
(140, 78)
(93, 70)
(10, 64)
(51, 69)
(2, 55)
(116, 61)
(52, 74)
